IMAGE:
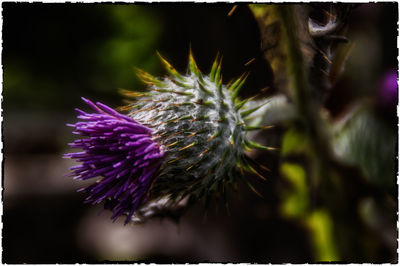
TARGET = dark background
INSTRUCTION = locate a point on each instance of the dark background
(55, 53)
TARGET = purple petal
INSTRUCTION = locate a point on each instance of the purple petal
(120, 150)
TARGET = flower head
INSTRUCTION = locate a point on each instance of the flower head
(121, 151)
(182, 140)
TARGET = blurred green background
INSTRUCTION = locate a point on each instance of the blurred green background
(55, 53)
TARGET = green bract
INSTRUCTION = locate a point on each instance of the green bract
(201, 126)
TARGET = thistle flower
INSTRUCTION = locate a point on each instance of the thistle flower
(119, 149)
(182, 140)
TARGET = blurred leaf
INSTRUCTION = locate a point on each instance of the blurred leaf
(301, 58)
(296, 204)
(339, 61)
(296, 201)
(295, 142)
(316, 39)
(133, 44)
(273, 45)
(381, 218)
(368, 142)
(56, 62)
(274, 110)
(320, 223)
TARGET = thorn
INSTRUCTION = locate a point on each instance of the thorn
(179, 83)
(239, 105)
(251, 128)
(250, 111)
(146, 100)
(194, 133)
(188, 146)
(174, 160)
(237, 81)
(132, 94)
(214, 68)
(172, 91)
(203, 88)
(247, 182)
(144, 110)
(235, 88)
(124, 108)
(263, 167)
(232, 10)
(256, 145)
(204, 152)
(148, 79)
(229, 84)
(253, 189)
(127, 101)
(192, 63)
(185, 117)
(250, 62)
(179, 104)
(176, 133)
(219, 86)
(190, 167)
(170, 69)
(162, 100)
(172, 144)
(322, 53)
(254, 171)
(150, 122)
(326, 58)
(214, 136)
(254, 162)
(218, 72)
(174, 120)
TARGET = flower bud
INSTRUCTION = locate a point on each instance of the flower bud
(182, 140)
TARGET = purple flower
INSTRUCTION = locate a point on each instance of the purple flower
(388, 88)
(122, 152)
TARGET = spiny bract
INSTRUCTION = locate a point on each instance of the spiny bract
(201, 126)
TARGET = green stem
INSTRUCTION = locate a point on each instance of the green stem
(311, 123)
(300, 88)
